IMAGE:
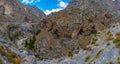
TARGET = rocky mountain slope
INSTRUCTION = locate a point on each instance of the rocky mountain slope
(85, 32)
(72, 28)
(14, 11)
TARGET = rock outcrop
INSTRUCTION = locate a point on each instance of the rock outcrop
(17, 12)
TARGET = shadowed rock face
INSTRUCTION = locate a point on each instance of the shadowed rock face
(35, 11)
(34, 14)
(15, 11)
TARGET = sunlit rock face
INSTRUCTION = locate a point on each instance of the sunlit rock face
(11, 6)
(15, 11)
(11, 9)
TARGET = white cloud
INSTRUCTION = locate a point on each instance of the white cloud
(62, 4)
(30, 1)
(47, 12)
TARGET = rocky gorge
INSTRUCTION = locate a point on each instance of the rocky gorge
(85, 32)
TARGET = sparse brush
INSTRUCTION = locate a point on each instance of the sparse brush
(117, 42)
(1, 62)
(96, 56)
(29, 43)
(70, 54)
(12, 57)
(87, 58)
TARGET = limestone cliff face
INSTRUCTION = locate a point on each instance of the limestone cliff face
(15, 11)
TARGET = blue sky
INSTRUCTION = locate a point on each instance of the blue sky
(48, 6)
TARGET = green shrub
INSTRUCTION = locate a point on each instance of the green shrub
(29, 43)
(96, 56)
(1, 61)
(87, 58)
(70, 54)
(93, 42)
(37, 32)
(109, 38)
(111, 62)
(13, 55)
(99, 53)
(116, 42)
